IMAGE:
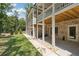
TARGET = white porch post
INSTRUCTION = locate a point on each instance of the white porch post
(33, 25)
(37, 22)
(43, 27)
(26, 22)
(37, 31)
(53, 26)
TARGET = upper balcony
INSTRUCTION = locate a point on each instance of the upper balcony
(48, 11)
(60, 6)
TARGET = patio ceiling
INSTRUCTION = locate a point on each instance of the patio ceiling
(68, 15)
(48, 20)
(64, 16)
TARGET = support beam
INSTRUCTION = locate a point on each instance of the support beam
(43, 31)
(26, 22)
(43, 27)
(37, 31)
(37, 22)
(53, 26)
(33, 25)
(40, 23)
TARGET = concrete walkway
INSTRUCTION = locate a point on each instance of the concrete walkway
(46, 49)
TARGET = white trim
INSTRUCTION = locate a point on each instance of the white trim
(76, 32)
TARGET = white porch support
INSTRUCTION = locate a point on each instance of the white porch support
(37, 31)
(33, 25)
(37, 22)
(43, 31)
(26, 22)
(43, 27)
(53, 26)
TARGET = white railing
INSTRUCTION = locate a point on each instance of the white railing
(60, 6)
(48, 11)
(40, 17)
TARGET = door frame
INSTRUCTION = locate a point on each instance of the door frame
(76, 32)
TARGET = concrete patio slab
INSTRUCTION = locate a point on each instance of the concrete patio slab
(70, 46)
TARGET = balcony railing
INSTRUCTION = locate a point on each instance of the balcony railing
(34, 20)
(40, 17)
(48, 11)
(60, 6)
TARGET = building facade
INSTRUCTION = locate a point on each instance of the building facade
(53, 21)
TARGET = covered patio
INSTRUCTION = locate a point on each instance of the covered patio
(63, 20)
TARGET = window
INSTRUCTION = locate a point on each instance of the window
(72, 32)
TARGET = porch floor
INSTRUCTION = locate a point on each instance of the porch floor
(47, 49)
(72, 47)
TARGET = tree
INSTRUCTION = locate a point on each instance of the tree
(22, 24)
(4, 7)
(9, 25)
(16, 23)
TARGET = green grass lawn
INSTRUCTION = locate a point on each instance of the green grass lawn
(17, 45)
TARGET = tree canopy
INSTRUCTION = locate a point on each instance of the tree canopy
(10, 23)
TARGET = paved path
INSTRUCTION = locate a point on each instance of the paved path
(46, 49)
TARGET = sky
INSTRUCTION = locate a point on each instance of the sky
(20, 8)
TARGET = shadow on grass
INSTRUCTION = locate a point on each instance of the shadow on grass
(4, 39)
(11, 49)
(3, 36)
(19, 46)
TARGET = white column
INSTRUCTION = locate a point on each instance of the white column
(43, 31)
(43, 26)
(33, 25)
(26, 22)
(37, 22)
(53, 26)
(37, 31)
